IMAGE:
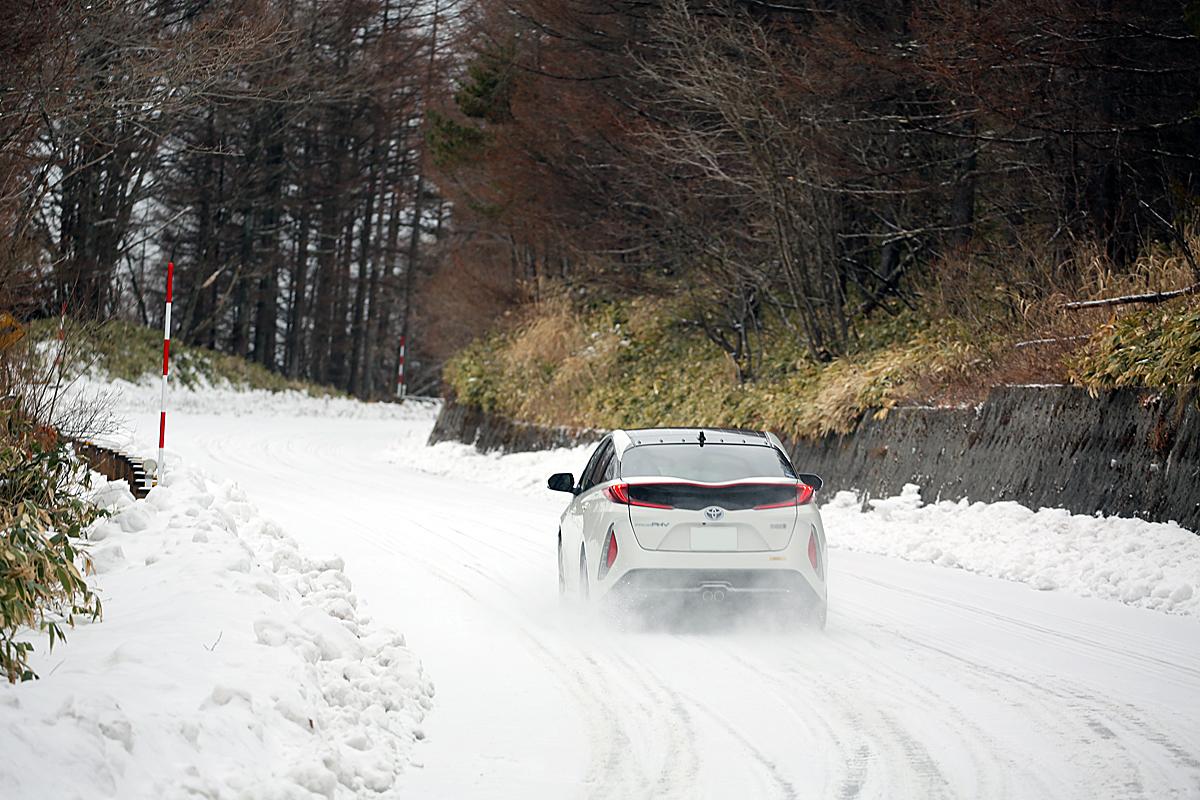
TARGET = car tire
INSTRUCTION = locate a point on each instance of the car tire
(818, 614)
(562, 578)
(584, 591)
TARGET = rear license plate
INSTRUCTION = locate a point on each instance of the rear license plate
(714, 537)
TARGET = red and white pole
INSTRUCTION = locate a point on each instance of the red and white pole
(400, 387)
(162, 419)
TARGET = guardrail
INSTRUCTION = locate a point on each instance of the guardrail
(116, 466)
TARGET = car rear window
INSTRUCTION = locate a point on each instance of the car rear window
(712, 463)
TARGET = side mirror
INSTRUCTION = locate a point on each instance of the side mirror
(562, 482)
(812, 480)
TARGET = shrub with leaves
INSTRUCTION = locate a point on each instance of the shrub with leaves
(1156, 348)
(43, 513)
(42, 518)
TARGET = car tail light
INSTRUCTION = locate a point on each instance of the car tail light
(813, 555)
(619, 493)
(610, 553)
(804, 494)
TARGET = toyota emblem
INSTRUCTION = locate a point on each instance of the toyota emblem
(714, 513)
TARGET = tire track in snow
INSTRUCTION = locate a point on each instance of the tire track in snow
(786, 789)
(1142, 656)
(681, 761)
(1040, 707)
(793, 691)
(614, 771)
(611, 769)
(1107, 757)
(877, 752)
(612, 746)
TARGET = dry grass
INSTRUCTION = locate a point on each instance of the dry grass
(637, 363)
(552, 332)
(1032, 338)
(632, 364)
(557, 352)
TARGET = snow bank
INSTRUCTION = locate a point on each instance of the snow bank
(523, 472)
(1147, 564)
(126, 399)
(227, 665)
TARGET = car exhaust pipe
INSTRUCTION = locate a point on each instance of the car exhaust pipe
(718, 595)
(707, 595)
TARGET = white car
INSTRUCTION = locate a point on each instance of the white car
(674, 513)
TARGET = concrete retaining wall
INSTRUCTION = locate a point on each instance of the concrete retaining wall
(489, 432)
(1128, 453)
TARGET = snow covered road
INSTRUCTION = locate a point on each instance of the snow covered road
(930, 682)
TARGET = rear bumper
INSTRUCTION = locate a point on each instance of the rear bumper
(749, 583)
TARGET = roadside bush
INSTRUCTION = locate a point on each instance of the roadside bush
(1156, 348)
(640, 362)
(43, 515)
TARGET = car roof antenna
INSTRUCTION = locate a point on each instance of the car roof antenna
(702, 438)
